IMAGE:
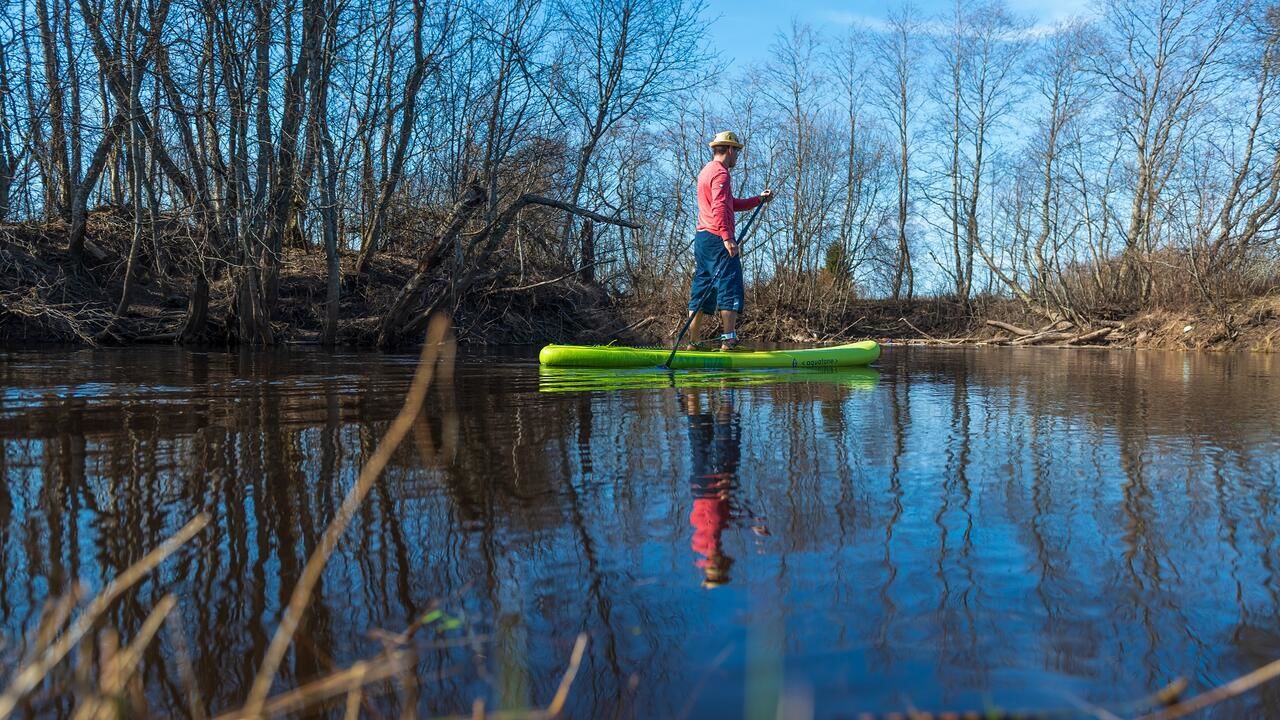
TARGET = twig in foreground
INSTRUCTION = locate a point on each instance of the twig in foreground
(301, 596)
(33, 674)
(556, 706)
(1236, 687)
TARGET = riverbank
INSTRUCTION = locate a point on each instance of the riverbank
(43, 301)
(1245, 325)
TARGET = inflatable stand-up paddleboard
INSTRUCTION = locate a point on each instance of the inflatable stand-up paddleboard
(856, 354)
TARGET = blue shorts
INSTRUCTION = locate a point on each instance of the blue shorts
(717, 278)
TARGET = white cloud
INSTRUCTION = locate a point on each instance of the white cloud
(858, 20)
(1044, 15)
(1047, 12)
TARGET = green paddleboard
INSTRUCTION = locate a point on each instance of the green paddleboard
(620, 356)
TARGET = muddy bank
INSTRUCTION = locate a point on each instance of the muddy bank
(44, 300)
(1249, 325)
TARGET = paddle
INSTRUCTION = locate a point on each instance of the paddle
(688, 320)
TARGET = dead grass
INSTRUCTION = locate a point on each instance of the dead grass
(117, 687)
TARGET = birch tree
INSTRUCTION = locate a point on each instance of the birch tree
(898, 58)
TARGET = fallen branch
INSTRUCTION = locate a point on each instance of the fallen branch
(531, 199)
(913, 327)
(635, 325)
(1041, 338)
(1058, 325)
(1022, 332)
(843, 330)
(930, 337)
(1094, 335)
(522, 288)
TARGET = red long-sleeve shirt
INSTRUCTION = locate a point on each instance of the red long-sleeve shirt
(716, 203)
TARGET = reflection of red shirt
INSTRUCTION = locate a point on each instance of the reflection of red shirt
(716, 203)
(709, 516)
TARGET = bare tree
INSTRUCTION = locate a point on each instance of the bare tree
(1067, 92)
(861, 216)
(58, 181)
(406, 111)
(1239, 218)
(898, 58)
(511, 105)
(980, 55)
(1163, 65)
(12, 150)
(800, 94)
(620, 57)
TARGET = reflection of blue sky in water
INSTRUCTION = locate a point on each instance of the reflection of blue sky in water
(1010, 524)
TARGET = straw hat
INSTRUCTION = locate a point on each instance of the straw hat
(728, 137)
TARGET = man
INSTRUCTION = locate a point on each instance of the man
(717, 278)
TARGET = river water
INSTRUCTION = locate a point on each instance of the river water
(955, 529)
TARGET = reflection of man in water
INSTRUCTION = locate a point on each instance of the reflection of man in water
(714, 438)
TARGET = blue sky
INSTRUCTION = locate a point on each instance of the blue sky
(746, 28)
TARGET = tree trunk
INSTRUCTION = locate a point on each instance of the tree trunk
(60, 189)
(328, 165)
(8, 158)
(588, 252)
(197, 319)
(80, 198)
(423, 60)
(253, 322)
(134, 156)
(397, 320)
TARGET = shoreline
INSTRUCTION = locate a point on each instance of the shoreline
(44, 302)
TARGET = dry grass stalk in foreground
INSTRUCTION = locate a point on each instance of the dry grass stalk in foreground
(118, 688)
(119, 669)
(47, 655)
(553, 709)
(393, 662)
(1239, 686)
(437, 334)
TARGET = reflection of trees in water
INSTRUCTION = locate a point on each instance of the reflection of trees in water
(899, 419)
(959, 643)
(1249, 530)
(127, 473)
(1115, 496)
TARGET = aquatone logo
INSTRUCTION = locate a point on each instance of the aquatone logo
(828, 362)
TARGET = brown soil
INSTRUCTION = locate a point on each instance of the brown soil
(43, 300)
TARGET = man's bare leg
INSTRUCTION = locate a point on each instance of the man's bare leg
(729, 319)
(695, 327)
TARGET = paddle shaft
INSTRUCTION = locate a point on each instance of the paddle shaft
(689, 320)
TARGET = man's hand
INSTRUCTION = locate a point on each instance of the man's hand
(731, 246)
(766, 196)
